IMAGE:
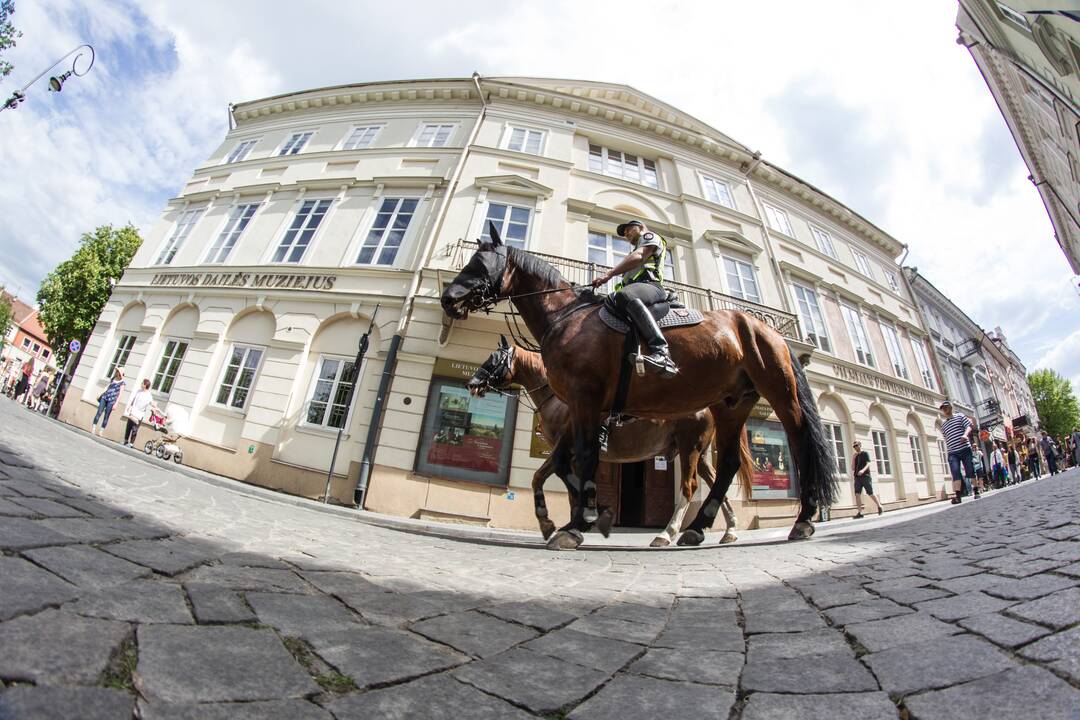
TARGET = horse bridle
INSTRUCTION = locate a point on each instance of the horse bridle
(501, 372)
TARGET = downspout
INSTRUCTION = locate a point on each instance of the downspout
(389, 365)
(773, 262)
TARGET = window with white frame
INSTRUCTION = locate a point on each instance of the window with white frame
(384, 240)
(857, 332)
(881, 452)
(434, 135)
(824, 242)
(37, 348)
(717, 191)
(328, 405)
(238, 376)
(183, 227)
(835, 434)
(896, 355)
(120, 357)
(1016, 18)
(26, 343)
(609, 250)
(169, 365)
(923, 361)
(296, 143)
(917, 455)
(45, 354)
(512, 222)
(525, 140)
(812, 318)
(862, 263)
(893, 281)
(624, 165)
(361, 137)
(239, 217)
(777, 219)
(298, 237)
(240, 152)
(740, 279)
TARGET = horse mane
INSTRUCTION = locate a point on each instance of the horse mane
(547, 272)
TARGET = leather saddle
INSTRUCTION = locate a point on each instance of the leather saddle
(668, 314)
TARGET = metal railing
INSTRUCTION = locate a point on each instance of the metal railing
(581, 272)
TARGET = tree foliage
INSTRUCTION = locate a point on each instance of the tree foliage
(6, 314)
(8, 34)
(73, 295)
(1059, 410)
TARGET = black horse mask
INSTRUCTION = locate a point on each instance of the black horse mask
(494, 374)
(479, 284)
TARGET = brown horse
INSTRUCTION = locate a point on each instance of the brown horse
(727, 362)
(635, 441)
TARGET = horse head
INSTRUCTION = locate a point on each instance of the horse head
(497, 371)
(479, 284)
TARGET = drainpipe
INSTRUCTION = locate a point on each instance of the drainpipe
(371, 442)
(773, 263)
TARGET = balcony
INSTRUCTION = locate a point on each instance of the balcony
(581, 272)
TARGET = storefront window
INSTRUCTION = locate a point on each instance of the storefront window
(774, 474)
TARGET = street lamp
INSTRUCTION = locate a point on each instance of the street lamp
(56, 82)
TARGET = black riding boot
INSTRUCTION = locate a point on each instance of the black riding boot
(658, 359)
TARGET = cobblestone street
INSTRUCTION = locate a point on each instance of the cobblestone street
(130, 588)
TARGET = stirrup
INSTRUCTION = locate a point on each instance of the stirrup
(665, 366)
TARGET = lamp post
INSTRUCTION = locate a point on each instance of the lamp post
(56, 82)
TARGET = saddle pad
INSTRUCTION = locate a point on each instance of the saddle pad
(676, 317)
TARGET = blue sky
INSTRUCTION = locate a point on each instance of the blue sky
(897, 125)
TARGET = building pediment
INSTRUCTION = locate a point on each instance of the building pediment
(513, 185)
(732, 240)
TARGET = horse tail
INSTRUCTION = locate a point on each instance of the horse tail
(746, 463)
(815, 460)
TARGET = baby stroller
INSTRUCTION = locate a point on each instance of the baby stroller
(169, 426)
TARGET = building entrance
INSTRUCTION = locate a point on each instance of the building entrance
(641, 495)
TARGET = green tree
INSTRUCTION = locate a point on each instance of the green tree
(1059, 410)
(73, 295)
(6, 315)
(8, 34)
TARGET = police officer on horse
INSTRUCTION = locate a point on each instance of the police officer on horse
(641, 287)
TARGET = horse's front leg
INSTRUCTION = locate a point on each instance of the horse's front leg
(547, 527)
(585, 428)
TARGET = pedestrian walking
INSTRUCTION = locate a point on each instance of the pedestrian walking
(1034, 465)
(23, 386)
(1075, 437)
(106, 400)
(860, 466)
(1047, 447)
(135, 412)
(958, 430)
(1014, 465)
(39, 389)
(997, 465)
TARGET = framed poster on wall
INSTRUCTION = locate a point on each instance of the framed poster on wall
(774, 474)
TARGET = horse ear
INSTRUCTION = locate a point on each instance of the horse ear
(502, 342)
(496, 240)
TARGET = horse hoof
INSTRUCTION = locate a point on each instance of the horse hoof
(547, 528)
(589, 515)
(565, 540)
(729, 537)
(801, 531)
(660, 542)
(691, 538)
(605, 521)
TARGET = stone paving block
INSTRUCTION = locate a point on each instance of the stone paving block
(26, 588)
(617, 629)
(1024, 692)
(376, 655)
(9, 507)
(292, 709)
(17, 533)
(1072, 570)
(216, 664)
(632, 697)
(539, 682)
(390, 608)
(971, 583)
(910, 596)
(213, 604)
(832, 672)
(837, 594)
(253, 559)
(1031, 588)
(95, 508)
(141, 601)
(437, 697)
(1019, 565)
(599, 653)
(1061, 651)
(298, 615)
(1059, 610)
(1003, 630)
(783, 621)
(866, 611)
(474, 633)
(533, 614)
(86, 566)
(56, 648)
(843, 706)
(340, 583)
(59, 703)
(772, 600)
(906, 669)
(644, 614)
(898, 583)
(963, 605)
(169, 557)
(702, 666)
(687, 636)
(49, 508)
(772, 646)
(249, 579)
(883, 634)
(948, 570)
(95, 530)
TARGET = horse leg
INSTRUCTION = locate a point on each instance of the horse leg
(727, 442)
(547, 528)
(729, 521)
(682, 504)
(585, 428)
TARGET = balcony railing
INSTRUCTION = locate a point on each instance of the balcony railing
(581, 272)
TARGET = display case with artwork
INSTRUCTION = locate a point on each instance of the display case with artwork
(774, 474)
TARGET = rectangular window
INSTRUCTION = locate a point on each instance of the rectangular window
(835, 434)
(45, 354)
(863, 263)
(857, 333)
(923, 360)
(26, 343)
(512, 222)
(740, 279)
(120, 357)
(296, 143)
(297, 238)
(329, 403)
(812, 319)
(171, 359)
(824, 242)
(240, 152)
(37, 348)
(917, 456)
(361, 137)
(891, 278)
(892, 344)
(618, 164)
(777, 219)
(435, 135)
(239, 217)
(881, 453)
(1016, 18)
(386, 235)
(607, 250)
(717, 191)
(525, 140)
(187, 220)
(239, 376)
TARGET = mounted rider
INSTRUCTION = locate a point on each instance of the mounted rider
(641, 287)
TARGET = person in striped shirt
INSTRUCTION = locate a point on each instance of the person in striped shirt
(958, 432)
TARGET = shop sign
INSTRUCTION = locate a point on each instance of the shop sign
(880, 382)
(458, 369)
(257, 281)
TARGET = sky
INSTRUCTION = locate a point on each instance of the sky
(880, 108)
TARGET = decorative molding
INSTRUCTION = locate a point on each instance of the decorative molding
(592, 211)
(733, 240)
(513, 185)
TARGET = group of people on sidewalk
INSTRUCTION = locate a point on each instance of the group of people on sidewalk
(138, 408)
(25, 384)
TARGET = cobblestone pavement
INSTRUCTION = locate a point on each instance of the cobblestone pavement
(132, 590)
